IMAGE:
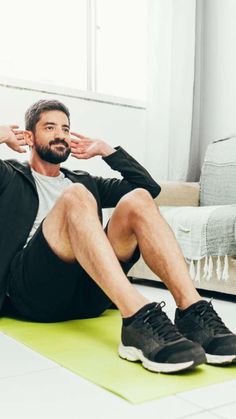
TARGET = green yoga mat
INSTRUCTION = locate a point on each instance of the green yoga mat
(89, 349)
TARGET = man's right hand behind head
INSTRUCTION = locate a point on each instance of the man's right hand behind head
(13, 137)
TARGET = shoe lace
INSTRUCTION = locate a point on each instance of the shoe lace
(161, 324)
(211, 318)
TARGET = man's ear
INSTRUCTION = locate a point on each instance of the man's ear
(29, 136)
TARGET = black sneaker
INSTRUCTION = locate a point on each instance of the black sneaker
(150, 337)
(200, 323)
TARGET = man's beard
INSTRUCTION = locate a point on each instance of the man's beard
(54, 156)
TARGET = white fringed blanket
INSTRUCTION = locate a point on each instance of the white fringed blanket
(203, 232)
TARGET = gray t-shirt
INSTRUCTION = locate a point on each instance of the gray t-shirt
(49, 190)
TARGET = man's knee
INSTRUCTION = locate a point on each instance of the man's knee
(137, 201)
(78, 196)
(136, 197)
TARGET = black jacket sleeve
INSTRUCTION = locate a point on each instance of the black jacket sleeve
(134, 176)
(6, 173)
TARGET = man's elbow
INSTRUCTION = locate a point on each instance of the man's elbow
(156, 189)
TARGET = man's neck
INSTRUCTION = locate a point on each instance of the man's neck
(44, 168)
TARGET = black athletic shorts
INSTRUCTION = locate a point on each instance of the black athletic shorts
(44, 288)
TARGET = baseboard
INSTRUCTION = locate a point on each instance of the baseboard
(204, 293)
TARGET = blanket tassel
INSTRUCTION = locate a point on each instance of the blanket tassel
(225, 274)
(205, 269)
(198, 274)
(218, 268)
(210, 269)
(192, 270)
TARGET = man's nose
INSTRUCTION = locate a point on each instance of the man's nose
(59, 134)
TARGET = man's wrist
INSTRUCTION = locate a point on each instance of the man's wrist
(4, 133)
(106, 150)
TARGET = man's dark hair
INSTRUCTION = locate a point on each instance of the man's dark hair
(32, 115)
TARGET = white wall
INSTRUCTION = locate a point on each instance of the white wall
(118, 125)
(218, 73)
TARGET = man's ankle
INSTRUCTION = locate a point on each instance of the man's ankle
(186, 303)
(132, 310)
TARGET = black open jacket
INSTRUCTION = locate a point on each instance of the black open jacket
(19, 199)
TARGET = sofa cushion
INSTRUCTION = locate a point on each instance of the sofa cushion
(218, 176)
(178, 194)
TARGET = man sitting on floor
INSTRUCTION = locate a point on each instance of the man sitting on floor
(57, 262)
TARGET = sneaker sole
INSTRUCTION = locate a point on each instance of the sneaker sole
(133, 354)
(220, 359)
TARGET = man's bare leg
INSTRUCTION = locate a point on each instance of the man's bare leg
(73, 231)
(136, 219)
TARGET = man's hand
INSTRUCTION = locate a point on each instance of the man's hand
(85, 148)
(13, 138)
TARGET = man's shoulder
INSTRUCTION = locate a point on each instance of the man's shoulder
(12, 169)
(16, 164)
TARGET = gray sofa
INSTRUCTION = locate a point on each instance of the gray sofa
(203, 218)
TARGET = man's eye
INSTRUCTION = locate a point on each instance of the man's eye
(67, 130)
(49, 128)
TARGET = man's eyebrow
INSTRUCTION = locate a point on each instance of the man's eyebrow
(49, 123)
(53, 123)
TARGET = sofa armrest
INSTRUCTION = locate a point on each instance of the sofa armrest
(179, 194)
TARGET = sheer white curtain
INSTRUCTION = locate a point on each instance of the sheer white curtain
(171, 87)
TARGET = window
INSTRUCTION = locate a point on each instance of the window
(45, 41)
(94, 45)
